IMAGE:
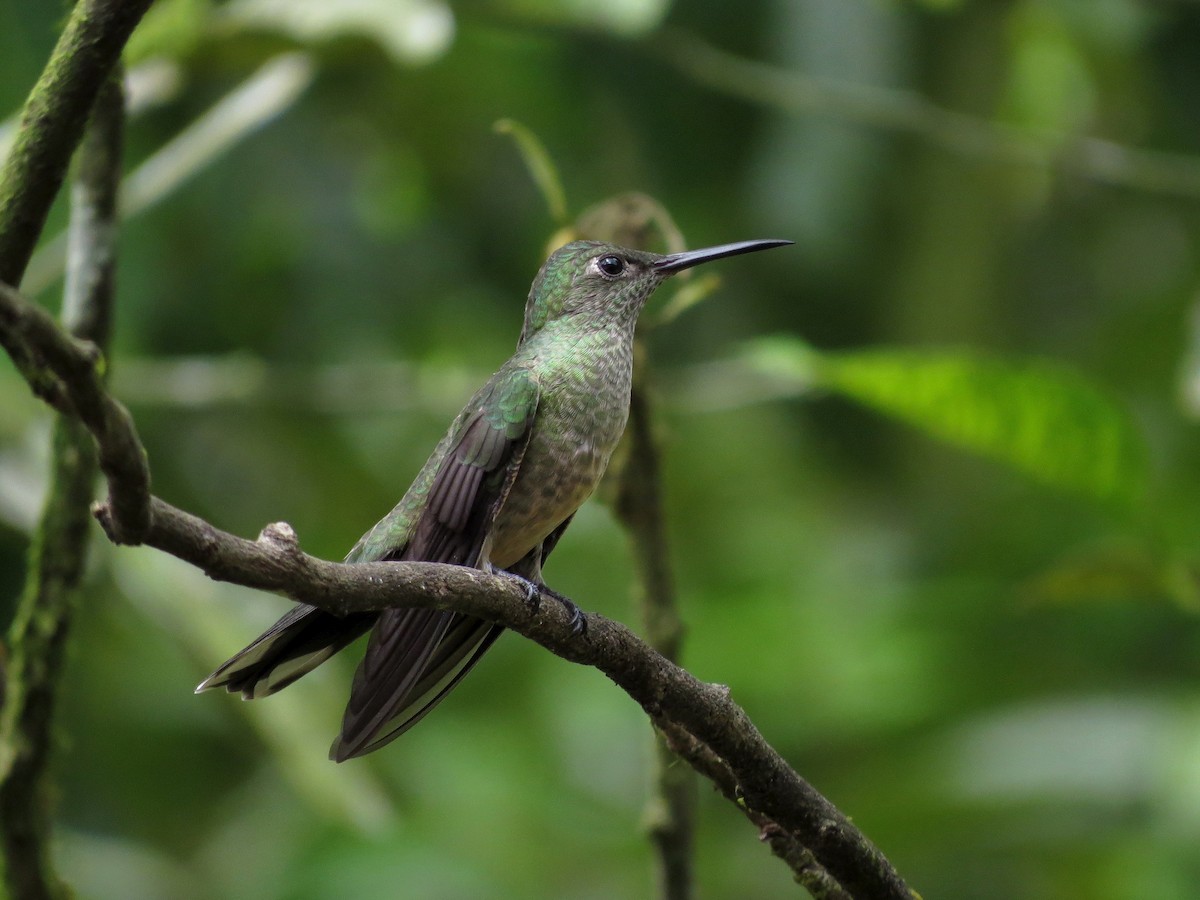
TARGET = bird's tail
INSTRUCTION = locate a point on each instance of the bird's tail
(289, 649)
(414, 658)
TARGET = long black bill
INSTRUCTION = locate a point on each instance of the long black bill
(677, 262)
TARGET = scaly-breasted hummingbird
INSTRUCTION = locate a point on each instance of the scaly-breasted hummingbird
(497, 493)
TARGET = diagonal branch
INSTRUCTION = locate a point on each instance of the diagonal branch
(770, 792)
(783, 844)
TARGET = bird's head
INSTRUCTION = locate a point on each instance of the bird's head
(593, 284)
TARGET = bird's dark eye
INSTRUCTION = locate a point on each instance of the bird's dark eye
(611, 265)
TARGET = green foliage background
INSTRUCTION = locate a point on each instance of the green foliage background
(932, 473)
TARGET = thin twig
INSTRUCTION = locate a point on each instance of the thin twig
(904, 112)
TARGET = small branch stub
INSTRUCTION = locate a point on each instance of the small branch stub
(281, 536)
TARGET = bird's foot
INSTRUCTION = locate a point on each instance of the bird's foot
(534, 591)
(578, 616)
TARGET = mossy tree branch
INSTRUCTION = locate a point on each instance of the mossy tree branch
(74, 88)
(38, 635)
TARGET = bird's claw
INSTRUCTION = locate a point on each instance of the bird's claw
(533, 597)
(578, 616)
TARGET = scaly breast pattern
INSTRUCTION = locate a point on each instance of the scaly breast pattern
(581, 414)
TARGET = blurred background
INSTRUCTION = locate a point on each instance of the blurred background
(931, 474)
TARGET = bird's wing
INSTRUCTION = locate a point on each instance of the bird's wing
(415, 657)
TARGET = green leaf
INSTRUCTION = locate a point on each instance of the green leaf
(1039, 417)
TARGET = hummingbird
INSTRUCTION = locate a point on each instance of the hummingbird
(496, 494)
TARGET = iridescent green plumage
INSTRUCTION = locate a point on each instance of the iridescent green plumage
(498, 491)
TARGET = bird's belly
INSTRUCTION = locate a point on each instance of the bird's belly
(551, 484)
